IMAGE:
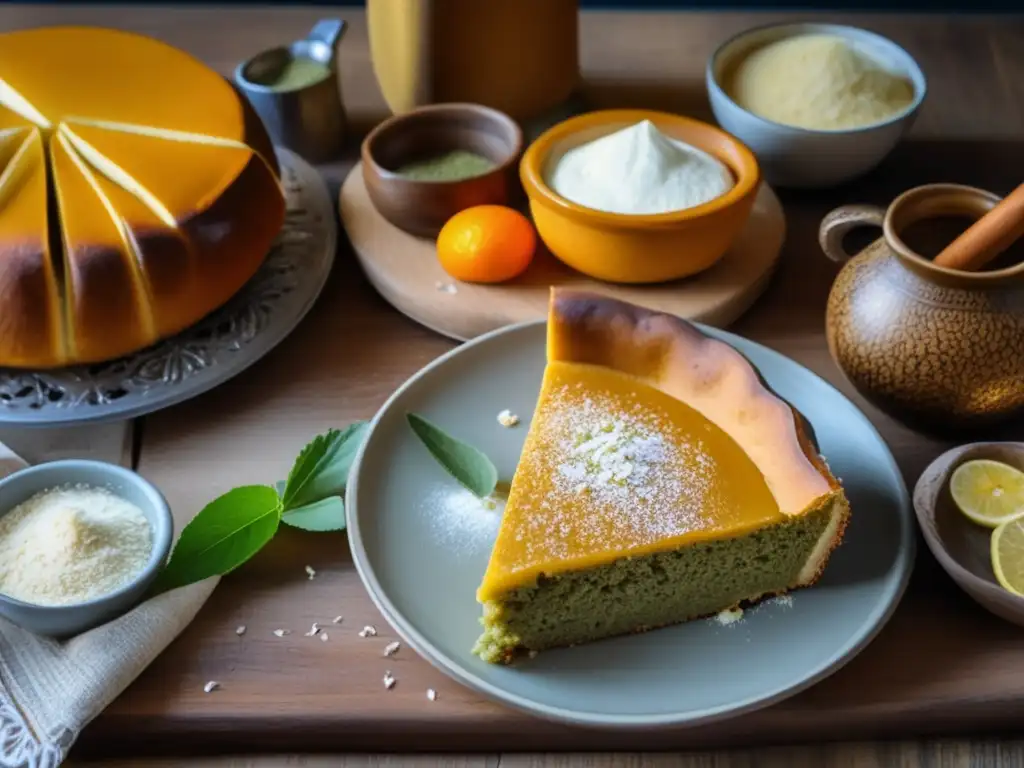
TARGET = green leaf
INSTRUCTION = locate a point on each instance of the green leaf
(225, 534)
(323, 466)
(461, 460)
(324, 515)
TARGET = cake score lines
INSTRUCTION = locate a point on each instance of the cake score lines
(163, 233)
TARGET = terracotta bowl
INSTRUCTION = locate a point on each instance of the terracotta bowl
(625, 248)
(421, 208)
(961, 546)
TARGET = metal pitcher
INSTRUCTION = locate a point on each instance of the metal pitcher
(306, 117)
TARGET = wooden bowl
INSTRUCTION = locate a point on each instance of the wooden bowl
(421, 208)
(962, 546)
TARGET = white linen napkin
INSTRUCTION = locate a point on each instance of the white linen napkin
(50, 690)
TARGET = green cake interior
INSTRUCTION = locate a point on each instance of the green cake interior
(650, 591)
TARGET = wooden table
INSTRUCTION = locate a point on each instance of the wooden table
(941, 666)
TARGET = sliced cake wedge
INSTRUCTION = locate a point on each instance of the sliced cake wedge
(199, 189)
(661, 481)
(31, 319)
(106, 305)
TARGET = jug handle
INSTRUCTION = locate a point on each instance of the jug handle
(328, 32)
(840, 222)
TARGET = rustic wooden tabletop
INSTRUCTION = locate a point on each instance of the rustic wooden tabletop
(942, 666)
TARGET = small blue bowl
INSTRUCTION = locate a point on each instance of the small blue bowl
(66, 620)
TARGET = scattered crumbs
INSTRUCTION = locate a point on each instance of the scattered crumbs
(392, 648)
(431, 694)
(460, 521)
(368, 631)
(389, 680)
(310, 572)
(282, 632)
(313, 630)
(729, 616)
(211, 686)
(323, 637)
(240, 630)
(446, 287)
(337, 620)
(507, 419)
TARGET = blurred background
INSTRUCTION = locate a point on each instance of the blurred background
(926, 6)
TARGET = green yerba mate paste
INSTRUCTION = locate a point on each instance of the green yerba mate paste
(450, 166)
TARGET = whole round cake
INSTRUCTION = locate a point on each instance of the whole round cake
(138, 193)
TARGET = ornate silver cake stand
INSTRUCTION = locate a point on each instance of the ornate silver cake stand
(214, 350)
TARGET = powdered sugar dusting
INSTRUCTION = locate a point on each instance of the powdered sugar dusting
(782, 601)
(461, 521)
(643, 484)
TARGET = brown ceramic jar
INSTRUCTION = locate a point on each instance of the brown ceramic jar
(939, 349)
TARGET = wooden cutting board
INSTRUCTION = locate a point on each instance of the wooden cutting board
(405, 271)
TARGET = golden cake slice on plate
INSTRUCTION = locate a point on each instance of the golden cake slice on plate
(661, 481)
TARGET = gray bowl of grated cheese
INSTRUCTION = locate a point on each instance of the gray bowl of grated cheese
(818, 104)
(80, 543)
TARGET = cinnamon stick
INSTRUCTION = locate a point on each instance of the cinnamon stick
(988, 237)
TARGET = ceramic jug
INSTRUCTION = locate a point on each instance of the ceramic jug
(939, 349)
(518, 56)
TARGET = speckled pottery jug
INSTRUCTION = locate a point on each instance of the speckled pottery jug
(939, 349)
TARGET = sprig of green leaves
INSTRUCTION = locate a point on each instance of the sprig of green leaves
(228, 531)
(322, 467)
(461, 460)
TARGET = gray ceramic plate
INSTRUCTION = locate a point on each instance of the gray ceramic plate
(421, 553)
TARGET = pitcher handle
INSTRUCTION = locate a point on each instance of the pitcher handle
(838, 223)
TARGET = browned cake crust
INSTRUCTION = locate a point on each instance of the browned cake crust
(674, 356)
